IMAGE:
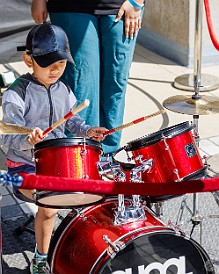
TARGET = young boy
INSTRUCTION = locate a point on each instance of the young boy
(37, 101)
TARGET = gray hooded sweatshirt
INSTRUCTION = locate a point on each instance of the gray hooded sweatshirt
(28, 103)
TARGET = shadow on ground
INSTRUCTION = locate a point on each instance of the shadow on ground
(17, 249)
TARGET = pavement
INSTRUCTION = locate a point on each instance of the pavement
(150, 83)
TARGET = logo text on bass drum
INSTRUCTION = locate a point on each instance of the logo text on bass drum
(179, 263)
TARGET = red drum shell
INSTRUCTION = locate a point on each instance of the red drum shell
(68, 157)
(173, 151)
(74, 158)
(78, 246)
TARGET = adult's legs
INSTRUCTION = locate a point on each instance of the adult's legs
(82, 32)
(116, 57)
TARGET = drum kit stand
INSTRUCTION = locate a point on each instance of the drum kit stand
(195, 105)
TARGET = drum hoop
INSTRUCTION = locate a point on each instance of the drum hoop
(66, 142)
(45, 194)
(155, 137)
(125, 166)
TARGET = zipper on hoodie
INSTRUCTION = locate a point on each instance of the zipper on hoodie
(51, 106)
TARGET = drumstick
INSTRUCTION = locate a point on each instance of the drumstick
(134, 122)
(67, 116)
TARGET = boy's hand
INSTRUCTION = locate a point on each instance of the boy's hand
(96, 133)
(36, 136)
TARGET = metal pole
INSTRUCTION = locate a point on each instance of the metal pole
(191, 82)
(198, 44)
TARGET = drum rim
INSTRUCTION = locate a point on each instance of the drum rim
(125, 166)
(66, 142)
(155, 137)
(45, 194)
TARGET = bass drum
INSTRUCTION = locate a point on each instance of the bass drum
(86, 243)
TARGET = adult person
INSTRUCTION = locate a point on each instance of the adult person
(33, 100)
(102, 36)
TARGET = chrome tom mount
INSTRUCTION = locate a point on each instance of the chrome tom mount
(133, 211)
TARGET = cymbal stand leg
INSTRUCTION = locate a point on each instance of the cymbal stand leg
(181, 211)
(216, 196)
(196, 219)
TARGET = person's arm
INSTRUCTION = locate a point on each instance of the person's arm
(39, 11)
(131, 10)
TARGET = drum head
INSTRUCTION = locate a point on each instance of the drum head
(155, 137)
(125, 160)
(67, 142)
(159, 252)
(66, 200)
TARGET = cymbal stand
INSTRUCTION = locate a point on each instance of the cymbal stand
(196, 218)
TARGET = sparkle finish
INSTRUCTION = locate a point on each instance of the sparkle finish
(73, 158)
(79, 242)
(173, 151)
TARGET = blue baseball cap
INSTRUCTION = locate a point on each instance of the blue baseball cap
(47, 44)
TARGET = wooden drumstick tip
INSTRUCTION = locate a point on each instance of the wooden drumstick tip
(86, 103)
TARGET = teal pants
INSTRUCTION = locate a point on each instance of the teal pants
(103, 57)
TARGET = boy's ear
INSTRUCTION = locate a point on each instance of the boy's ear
(28, 60)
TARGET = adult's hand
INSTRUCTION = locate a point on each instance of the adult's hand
(39, 11)
(132, 20)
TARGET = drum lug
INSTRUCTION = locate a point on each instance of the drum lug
(165, 143)
(177, 229)
(83, 152)
(84, 219)
(113, 248)
(79, 213)
(176, 172)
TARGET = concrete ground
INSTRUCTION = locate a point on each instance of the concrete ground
(150, 83)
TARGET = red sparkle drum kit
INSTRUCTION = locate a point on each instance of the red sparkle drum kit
(122, 235)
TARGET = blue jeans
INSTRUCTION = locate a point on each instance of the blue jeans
(15, 170)
(103, 57)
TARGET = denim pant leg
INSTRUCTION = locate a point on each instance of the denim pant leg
(83, 35)
(103, 57)
(116, 57)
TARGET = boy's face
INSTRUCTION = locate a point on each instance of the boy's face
(48, 75)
